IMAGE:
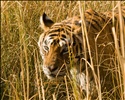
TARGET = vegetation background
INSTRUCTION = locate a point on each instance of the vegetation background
(21, 74)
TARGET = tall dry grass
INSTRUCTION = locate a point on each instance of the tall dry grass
(21, 75)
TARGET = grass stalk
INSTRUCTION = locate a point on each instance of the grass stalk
(37, 78)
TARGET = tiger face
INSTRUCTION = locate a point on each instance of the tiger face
(55, 46)
(54, 55)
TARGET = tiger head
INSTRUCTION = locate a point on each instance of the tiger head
(56, 44)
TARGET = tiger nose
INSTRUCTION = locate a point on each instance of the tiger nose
(52, 68)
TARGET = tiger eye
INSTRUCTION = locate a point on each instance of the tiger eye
(63, 36)
(46, 48)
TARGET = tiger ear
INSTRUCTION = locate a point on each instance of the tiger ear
(45, 22)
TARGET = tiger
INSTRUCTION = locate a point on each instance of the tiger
(63, 50)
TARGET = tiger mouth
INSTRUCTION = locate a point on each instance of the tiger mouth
(55, 73)
(53, 76)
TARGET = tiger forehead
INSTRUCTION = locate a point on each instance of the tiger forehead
(58, 42)
(59, 32)
(56, 37)
(67, 27)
